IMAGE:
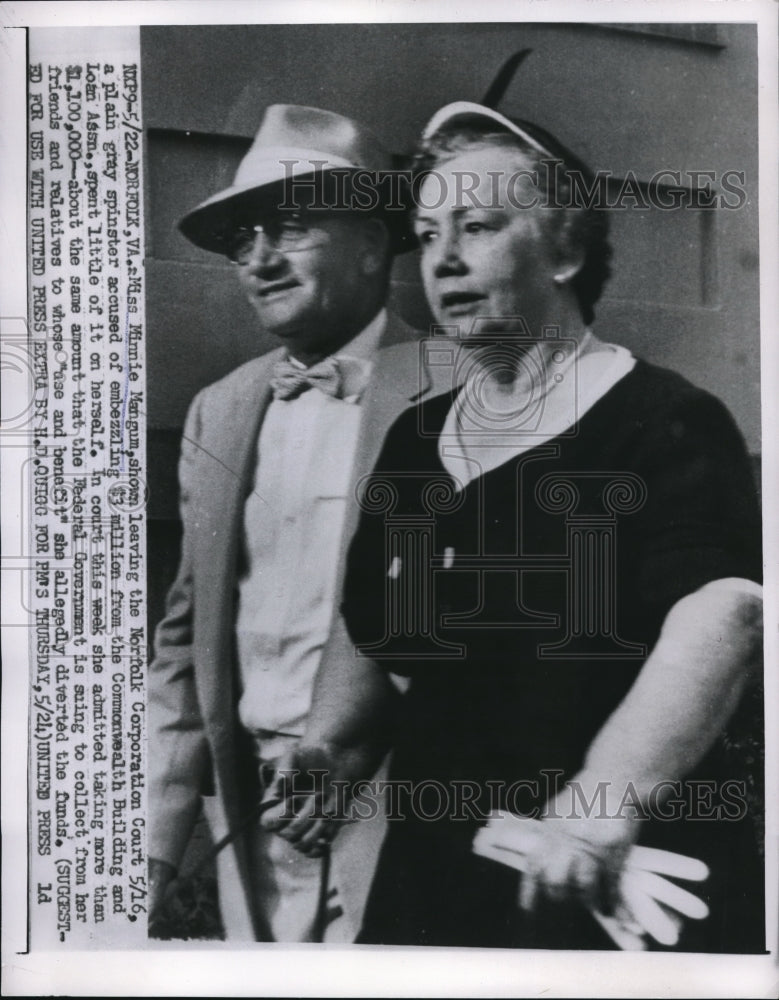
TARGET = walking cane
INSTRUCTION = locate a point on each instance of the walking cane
(254, 814)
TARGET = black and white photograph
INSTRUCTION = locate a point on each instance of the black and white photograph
(388, 489)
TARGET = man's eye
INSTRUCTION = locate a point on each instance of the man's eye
(241, 239)
(475, 227)
(426, 236)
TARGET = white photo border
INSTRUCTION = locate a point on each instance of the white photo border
(280, 970)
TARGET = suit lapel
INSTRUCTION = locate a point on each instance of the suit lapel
(236, 420)
(399, 379)
(233, 421)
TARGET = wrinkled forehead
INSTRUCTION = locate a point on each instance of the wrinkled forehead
(481, 176)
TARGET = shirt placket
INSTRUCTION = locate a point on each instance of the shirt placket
(295, 494)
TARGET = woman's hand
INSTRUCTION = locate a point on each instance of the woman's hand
(678, 705)
(577, 858)
(644, 900)
(575, 853)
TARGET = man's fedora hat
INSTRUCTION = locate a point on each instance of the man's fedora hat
(308, 158)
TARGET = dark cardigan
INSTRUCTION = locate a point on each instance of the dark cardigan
(522, 608)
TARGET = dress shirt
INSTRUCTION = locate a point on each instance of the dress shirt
(292, 526)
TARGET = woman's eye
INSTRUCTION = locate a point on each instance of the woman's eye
(475, 227)
(292, 226)
(426, 236)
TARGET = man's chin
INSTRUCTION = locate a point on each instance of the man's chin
(280, 322)
(303, 342)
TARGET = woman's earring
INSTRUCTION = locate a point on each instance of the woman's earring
(567, 273)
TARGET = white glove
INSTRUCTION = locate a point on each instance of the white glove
(514, 840)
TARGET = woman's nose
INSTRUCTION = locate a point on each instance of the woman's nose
(449, 259)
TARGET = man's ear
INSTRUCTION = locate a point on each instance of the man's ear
(375, 257)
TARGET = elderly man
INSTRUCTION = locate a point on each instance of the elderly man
(270, 460)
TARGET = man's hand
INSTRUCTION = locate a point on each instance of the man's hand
(311, 786)
(161, 874)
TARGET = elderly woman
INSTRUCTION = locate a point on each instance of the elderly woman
(562, 555)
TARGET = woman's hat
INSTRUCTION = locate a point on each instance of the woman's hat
(466, 112)
(309, 158)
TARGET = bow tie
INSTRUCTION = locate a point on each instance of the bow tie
(289, 381)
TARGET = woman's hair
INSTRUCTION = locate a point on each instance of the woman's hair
(562, 177)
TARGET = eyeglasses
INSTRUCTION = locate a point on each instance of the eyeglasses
(283, 232)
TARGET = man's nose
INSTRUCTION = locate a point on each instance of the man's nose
(264, 255)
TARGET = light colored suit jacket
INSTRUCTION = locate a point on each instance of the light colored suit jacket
(196, 744)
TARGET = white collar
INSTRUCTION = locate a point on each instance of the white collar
(474, 441)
